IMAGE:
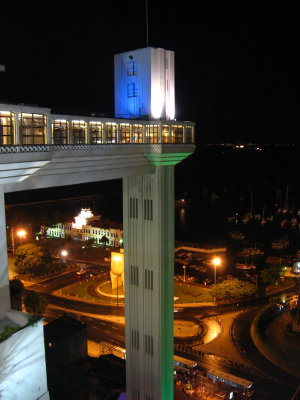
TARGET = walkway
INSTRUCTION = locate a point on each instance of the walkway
(284, 345)
(221, 343)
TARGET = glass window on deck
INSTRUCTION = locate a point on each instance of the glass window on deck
(78, 132)
(60, 130)
(32, 128)
(166, 134)
(189, 134)
(6, 127)
(111, 133)
(125, 133)
(96, 132)
(151, 133)
(138, 133)
(177, 134)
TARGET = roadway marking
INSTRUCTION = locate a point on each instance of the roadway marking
(295, 394)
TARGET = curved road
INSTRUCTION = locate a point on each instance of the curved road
(270, 381)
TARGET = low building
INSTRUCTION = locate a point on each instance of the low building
(66, 338)
(87, 226)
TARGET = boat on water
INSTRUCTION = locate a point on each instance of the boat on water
(245, 266)
(280, 244)
(284, 223)
(231, 219)
(201, 269)
(251, 251)
(237, 235)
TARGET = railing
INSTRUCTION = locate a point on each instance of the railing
(143, 147)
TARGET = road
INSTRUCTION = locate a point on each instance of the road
(98, 328)
(270, 382)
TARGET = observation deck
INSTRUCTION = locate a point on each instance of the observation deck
(39, 149)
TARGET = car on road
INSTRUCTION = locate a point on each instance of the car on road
(80, 272)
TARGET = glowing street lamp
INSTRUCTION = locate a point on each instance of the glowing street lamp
(184, 267)
(216, 261)
(21, 233)
(64, 254)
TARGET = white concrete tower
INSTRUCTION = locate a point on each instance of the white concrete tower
(149, 283)
(145, 84)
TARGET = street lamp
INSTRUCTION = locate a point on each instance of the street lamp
(184, 267)
(21, 233)
(64, 254)
(216, 261)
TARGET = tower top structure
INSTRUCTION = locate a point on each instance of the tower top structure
(145, 84)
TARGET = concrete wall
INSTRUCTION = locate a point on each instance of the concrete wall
(22, 365)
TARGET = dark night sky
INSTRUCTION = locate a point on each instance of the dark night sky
(237, 71)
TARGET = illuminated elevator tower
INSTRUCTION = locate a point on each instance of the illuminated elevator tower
(144, 87)
(144, 84)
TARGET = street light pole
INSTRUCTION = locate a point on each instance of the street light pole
(215, 273)
(216, 261)
(12, 240)
(184, 267)
(117, 260)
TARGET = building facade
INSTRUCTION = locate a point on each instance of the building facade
(87, 226)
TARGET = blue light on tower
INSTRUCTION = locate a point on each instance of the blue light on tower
(144, 84)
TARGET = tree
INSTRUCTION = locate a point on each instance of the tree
(104, 240)
(16, 288)
(272, 274)
(231, 288)
(31, 258)
(35, 303)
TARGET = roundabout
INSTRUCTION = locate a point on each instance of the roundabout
(105, 289)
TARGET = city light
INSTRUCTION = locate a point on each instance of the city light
(64, 253)
(216, 261)
(21, 233)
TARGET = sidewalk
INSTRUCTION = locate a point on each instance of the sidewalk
(283, 345)
(180, 395)
(221, 343)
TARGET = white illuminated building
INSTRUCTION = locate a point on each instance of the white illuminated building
(82, 218)
(87, 226)
(141, 146)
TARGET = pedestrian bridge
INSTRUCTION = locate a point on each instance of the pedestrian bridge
(39, 149)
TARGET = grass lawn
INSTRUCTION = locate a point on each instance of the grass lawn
(191, 294)
(82, 289)
(185, 293)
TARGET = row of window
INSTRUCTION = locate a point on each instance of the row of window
(135, 342)
(148, 277)
(94, 231)
(33, 128)
(148, 209)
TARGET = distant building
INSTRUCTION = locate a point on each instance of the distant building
(86, 226)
